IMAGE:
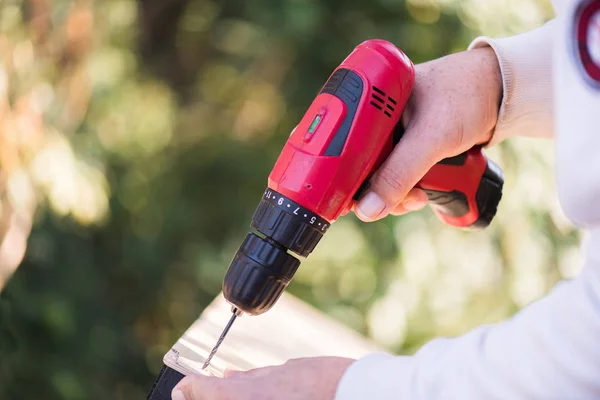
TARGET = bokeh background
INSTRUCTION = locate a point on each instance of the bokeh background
(135, 142)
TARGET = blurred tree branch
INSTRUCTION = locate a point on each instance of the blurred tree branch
(158, 28)
(15, 227)
(49, 53)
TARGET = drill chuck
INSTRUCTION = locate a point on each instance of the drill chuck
(258, 275)
(262, 268)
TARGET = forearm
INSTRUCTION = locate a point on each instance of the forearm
(526, 65)
(550, 350)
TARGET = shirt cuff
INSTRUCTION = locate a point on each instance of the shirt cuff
(526, 65)
(377, 376)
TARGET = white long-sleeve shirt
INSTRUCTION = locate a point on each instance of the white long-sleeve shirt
(550, 349)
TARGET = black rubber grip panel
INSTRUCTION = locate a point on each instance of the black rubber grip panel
(347, 86)
(453, 204)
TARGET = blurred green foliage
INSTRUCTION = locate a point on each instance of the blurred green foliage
(136, 139)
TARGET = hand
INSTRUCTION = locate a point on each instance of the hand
(300, 379)
(454, 106)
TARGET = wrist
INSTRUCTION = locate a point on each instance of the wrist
(524, 61)
(490, 82)
(491, 70)
(377, 376)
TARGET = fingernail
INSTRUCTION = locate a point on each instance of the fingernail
(177, 395)
(370, 206)
(414, 205)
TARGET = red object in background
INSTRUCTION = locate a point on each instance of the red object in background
(350, 129)
(587, 39)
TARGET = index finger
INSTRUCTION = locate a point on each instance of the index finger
(198, 387)
(410, 160)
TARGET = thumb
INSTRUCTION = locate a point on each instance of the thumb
(196, 387)
(410, 160)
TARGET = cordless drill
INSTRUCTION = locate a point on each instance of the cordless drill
(348, 131)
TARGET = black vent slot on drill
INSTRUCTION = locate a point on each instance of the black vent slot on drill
(376, 105)
(380, 103)
(381, 92)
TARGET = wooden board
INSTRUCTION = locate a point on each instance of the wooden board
(292, 329)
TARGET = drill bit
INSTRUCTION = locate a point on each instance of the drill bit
(236, 313)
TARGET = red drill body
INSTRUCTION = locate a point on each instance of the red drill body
(348, 131)
(322, 174)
